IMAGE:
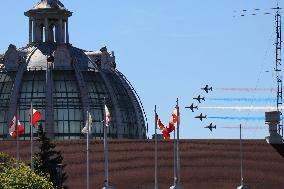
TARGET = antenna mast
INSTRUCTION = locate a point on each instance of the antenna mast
(278, 45)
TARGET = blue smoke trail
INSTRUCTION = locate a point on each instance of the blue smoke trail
(238, 118)
(244, 99)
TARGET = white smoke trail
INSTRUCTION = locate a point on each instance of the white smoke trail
(244, 127)
(244, 108)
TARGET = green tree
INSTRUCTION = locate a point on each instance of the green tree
(22, 178)
(48, 158)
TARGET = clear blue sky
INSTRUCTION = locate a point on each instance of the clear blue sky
(170, 49)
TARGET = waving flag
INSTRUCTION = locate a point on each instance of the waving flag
(159, 123)
(175, 120)
(88, 126)
(166, 134)
(162, 127)
(13, 127)
(107, 114)
(36, 117)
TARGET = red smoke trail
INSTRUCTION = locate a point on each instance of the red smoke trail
(244, 127)
(248, 89)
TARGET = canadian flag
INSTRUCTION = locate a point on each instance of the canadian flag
(175, 120)
(159, 124)
(107, 114)
(13, 127)
(166, 134)
(162, 127)
(36, 116)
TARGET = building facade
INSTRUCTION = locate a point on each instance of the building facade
(64, 82)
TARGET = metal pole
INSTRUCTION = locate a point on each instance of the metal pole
(241, 155)
(32, 136)
(156, 153)
(88, 162)
(175, 174)
(177, 144)
(17, 132)
(105, 147)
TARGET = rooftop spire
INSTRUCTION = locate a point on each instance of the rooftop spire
(47, 4)
(48, 22)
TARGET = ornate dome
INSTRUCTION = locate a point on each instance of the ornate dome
(49, 4)
(64, 82)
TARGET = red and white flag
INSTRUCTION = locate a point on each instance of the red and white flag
(166, 134)
(107, 118)
(159, 123)
(161, 126)
(13, 127)
(175, 120)
(36, 116)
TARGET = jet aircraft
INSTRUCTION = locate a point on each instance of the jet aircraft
(207, 89)
(211, 127)
(192, 107)
(199, 98)
(201, 117)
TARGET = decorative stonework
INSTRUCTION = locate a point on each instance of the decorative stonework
(62, 57)
(103, 58)
(11, 57)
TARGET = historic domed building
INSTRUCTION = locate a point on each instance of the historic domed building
(64, 82)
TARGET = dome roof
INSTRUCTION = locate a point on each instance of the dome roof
(64, 83)
(49, 4)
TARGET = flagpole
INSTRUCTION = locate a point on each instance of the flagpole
(32, 136)
(156, 152)
(105, 148)
(17, 132)
(88, 162)
(175, 172)
(177, 146)
(241, 155)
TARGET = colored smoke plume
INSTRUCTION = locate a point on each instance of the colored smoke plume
(248, 89)
(243, 99)
(238, 118)
(244, 127)
(244, 108)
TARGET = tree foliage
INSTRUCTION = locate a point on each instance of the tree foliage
(22, 178)
(48, 158)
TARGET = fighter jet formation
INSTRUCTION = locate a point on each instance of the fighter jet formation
(207, 89)
(211, 127)
(200, 99)
(192, 107)
(201, 117)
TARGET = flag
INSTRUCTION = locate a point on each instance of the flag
(166, 134)
(88, 126)
(13, 129)
(161, 126)
(107, 118)
(175, 120)
(171, 127)
(159, 123)
(36, 116)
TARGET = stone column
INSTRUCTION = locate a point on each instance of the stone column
(38, 31)
(60, 31)
(41, 32)
(67, 32)
(34, 30)
(46, 30)
(30, 31)
(56, 33)
(63, 32)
